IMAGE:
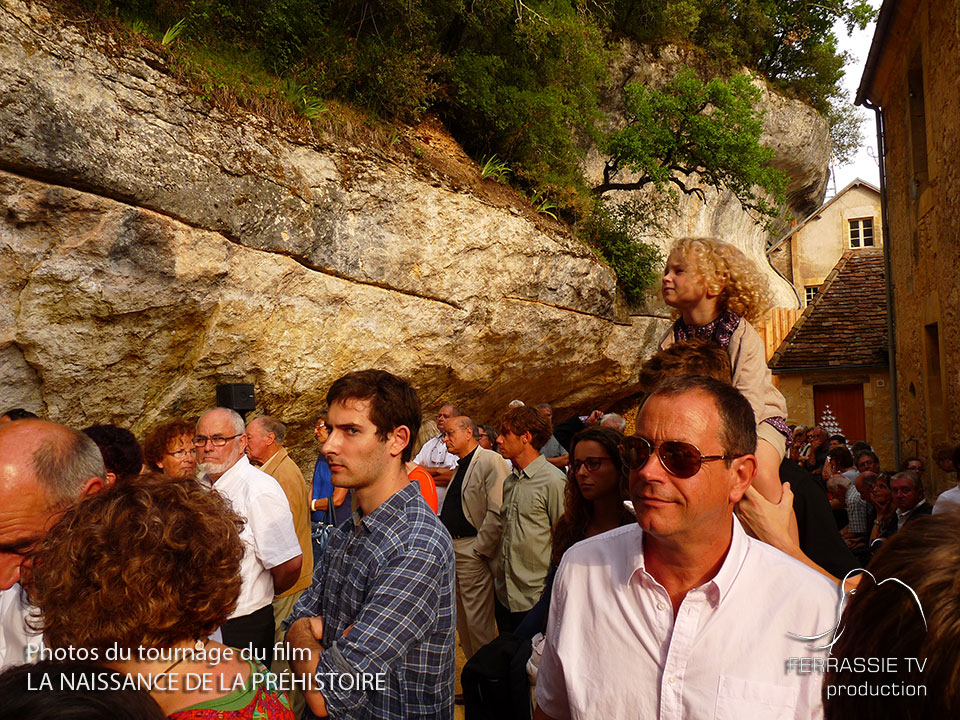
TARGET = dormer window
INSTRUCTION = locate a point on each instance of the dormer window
(861, 233)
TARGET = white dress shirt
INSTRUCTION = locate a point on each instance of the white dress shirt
(615, 650)
(268, 535)
(948, 500)
(434, 454)
(15, 635)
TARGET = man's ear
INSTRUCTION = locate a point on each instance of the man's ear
(527, 437)
(95, 484)
(398, 439)
(744, 470)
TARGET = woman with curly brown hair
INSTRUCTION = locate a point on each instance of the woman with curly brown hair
(141, 574)
(593, 504)
(169, 449)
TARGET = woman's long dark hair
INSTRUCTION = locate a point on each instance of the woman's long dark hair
(571, 528)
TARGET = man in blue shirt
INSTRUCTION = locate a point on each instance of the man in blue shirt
(379, 619)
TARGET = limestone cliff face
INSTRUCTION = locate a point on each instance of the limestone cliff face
(154, 246)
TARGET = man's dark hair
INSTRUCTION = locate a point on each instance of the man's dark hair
(905, 465)
(839, 438)
(519, 420)
(18, 414)
(738, 424)
(121, 451)
(870, 453)
(860, 447)
(841, 457)
(882, 620)
(695, 356)
(393, 402)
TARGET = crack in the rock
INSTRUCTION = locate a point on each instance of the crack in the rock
(566, 309)
(26, 173)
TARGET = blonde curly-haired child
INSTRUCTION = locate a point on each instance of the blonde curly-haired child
(717, 292)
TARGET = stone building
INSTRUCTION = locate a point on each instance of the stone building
(805, 255)
(911, 79)
(833, 366)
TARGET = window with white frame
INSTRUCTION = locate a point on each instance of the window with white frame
(811, 292)
(861, 233)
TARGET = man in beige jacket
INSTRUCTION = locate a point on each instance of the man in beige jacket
(471, 512)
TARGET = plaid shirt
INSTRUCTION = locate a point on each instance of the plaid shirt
(392, 578)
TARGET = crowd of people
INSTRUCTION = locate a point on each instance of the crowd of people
(690, 569)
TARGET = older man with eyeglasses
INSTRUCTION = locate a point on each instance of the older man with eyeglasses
(683, 615)
(272, 556)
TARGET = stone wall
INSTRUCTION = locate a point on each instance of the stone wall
(924, 216)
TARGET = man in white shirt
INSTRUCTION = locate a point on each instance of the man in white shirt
(949, 500)
(272, 557)
(44, 467)
(434, 456)
(683, 615)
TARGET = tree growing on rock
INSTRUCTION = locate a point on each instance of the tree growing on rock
(693, 134)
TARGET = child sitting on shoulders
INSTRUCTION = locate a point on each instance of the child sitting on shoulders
(718, 292)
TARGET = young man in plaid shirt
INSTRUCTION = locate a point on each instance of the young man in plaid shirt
(379, 618)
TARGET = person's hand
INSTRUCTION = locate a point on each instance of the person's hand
(594, 417)
(767, 521)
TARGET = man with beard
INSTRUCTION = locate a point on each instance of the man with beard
(272, 557)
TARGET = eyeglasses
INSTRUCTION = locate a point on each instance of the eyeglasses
(483, 435)
(179, 454)
(216, 440)
(592, 463)
(680, 459)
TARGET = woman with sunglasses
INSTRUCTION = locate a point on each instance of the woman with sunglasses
(595, 491)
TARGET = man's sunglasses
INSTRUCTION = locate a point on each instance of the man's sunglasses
(680, 459)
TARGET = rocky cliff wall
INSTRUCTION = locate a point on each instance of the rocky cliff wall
(156, 246)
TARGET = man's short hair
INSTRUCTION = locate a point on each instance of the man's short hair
(871, 453)
(456, 410)
(121, 452)
(612, 420)
(157, 442)
(912, 477)
(738, 424)
(545, 406)
(906, 462)
(519, 420)
(841, 457)
(393, 402)
(270, 424)
(469, 425)
(695, 356)
(882, 620)
(859, 447)
(839, 438)
(63, 463)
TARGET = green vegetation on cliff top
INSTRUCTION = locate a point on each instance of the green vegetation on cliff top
(522, 80)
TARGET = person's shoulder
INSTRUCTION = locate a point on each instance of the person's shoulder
(779, 570)
(611, 543)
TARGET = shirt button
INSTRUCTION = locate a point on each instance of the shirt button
(661, 606)
(672, 680)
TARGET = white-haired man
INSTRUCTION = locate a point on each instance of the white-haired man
(272, 557)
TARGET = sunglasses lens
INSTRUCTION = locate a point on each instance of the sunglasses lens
(634, 451)
(680, 458)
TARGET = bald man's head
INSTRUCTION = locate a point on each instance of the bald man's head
(44, 467)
